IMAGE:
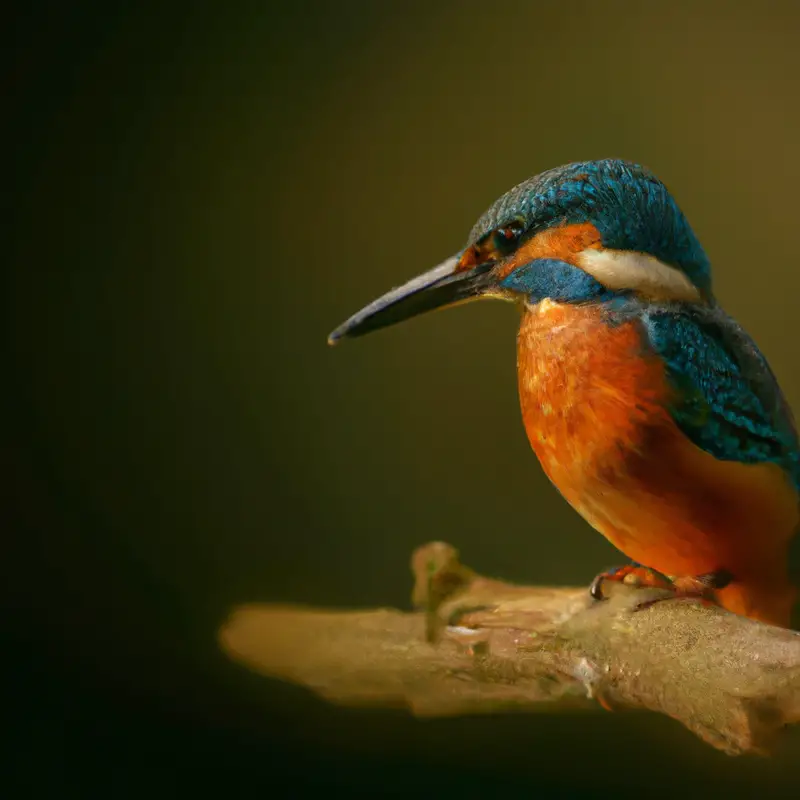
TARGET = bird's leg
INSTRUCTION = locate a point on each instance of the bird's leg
(700, 586)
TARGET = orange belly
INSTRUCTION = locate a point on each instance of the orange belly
(594, 407)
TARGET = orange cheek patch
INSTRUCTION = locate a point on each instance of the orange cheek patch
(562, 243)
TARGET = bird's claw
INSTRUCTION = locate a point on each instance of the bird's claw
(631, 575)
(701, 587)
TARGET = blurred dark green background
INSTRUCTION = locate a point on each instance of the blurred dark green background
(195, 197)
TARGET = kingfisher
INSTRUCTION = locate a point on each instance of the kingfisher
(649, 408)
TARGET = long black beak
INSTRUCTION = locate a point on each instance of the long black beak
(442, 286)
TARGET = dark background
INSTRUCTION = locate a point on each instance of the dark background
(195, 197)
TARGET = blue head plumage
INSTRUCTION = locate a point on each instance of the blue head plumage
(630, 207)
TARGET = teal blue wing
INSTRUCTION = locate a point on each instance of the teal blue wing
(728, 400)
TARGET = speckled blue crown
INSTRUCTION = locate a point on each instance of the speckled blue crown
(632, 209)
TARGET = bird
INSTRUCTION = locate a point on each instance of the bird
(650, 409)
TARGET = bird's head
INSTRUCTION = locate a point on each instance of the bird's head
(583, 233)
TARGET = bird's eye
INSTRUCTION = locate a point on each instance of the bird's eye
(505, 239)
(493, 245)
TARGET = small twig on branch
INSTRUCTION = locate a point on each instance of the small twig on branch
(482, 645)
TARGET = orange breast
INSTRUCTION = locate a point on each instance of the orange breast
(594, 406)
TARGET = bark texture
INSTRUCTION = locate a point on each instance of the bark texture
(482, 645)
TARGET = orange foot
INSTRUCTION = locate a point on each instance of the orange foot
(700, 586)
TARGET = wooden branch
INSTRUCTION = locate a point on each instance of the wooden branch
(482, 645)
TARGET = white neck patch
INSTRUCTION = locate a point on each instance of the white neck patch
(638, 272)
